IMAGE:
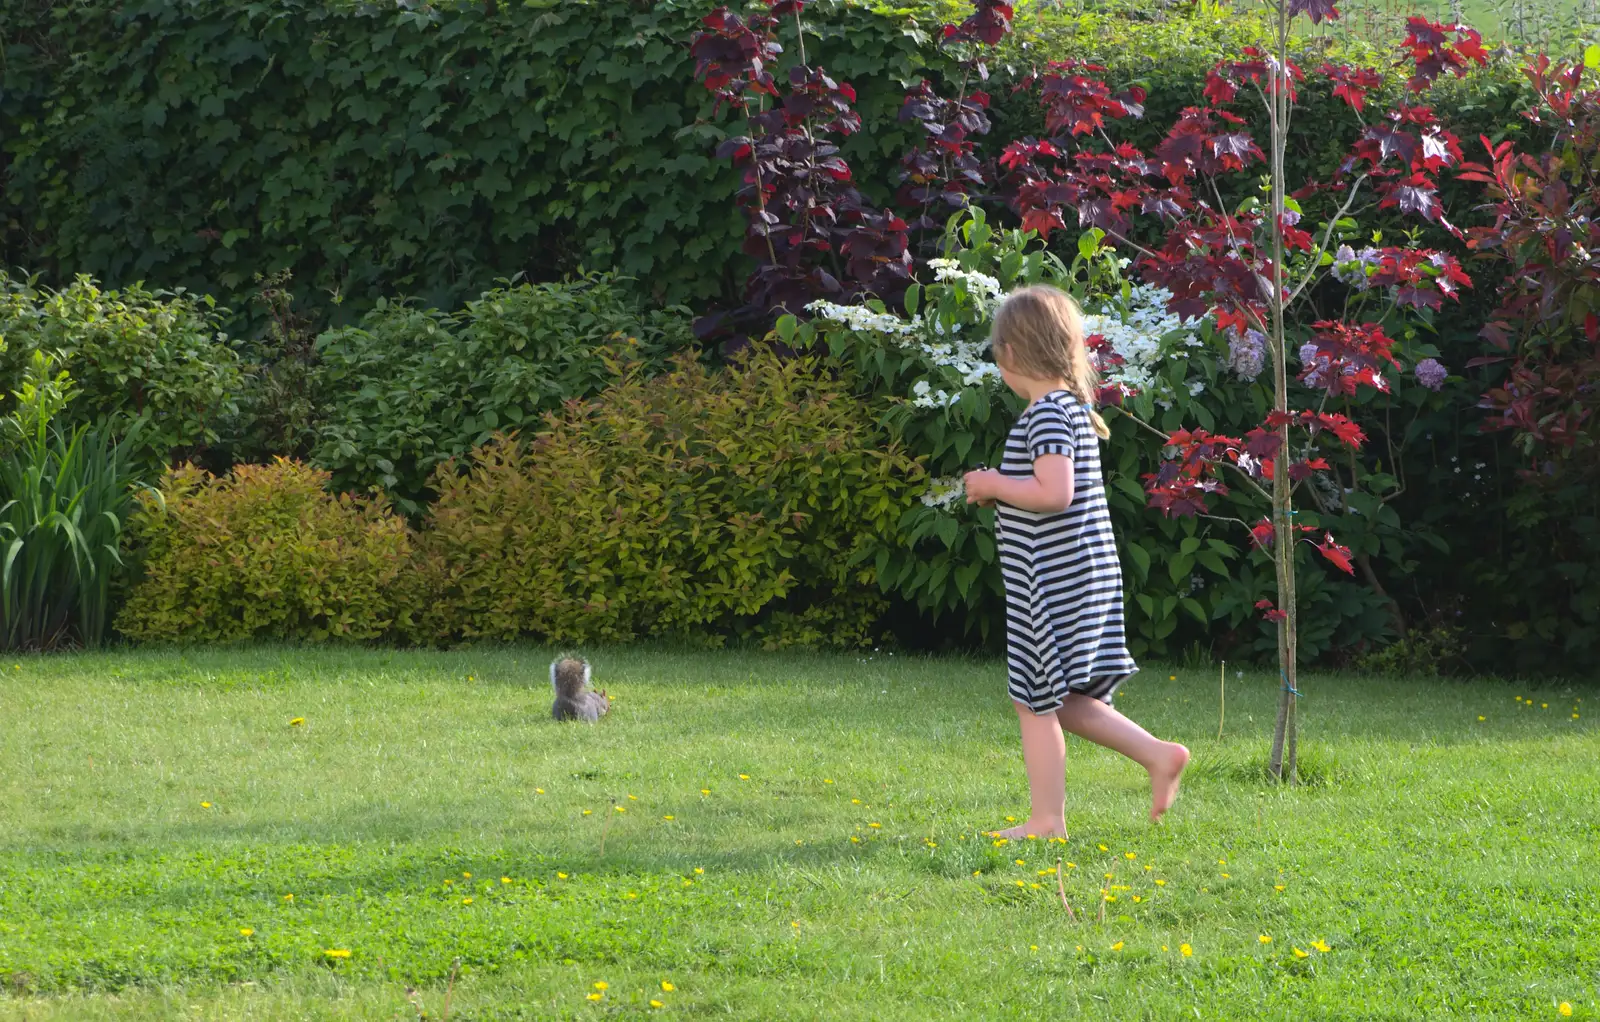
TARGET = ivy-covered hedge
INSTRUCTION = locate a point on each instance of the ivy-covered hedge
(426, 149)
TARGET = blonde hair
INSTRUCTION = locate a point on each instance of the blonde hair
(1040, 331)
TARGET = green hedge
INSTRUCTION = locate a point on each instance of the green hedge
(418, 149)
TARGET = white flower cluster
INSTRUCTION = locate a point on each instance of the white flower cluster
(980, 284)
(944, 493)
(859, 317)
(1145, 334)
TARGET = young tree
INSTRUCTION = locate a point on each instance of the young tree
(1254, 267)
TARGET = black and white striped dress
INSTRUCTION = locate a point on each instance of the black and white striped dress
(1063, 580)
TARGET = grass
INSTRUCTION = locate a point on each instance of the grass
(1450, 864)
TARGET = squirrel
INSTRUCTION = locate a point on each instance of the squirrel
(569, 677)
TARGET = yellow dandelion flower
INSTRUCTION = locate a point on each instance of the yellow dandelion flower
(1130, 856)
(297, 722)
(538, 791)
(1482, 717)
(744, 777)
(1011, 819)
(1277, 887)
(588, 812)
(1565, 1009)
(1574, 716)
(827, 780)
(1161, 883)
(1227, 876)
(1117, 946)
(1148, 867)
(505, 880)
(1111, 897)
(854, 840)
(1299, 953)
(1021, 863)
(620, 809)
(561, 876)
(447, 883)
(1172, 677)
(1222, 862)
(977, 872)
(1021, 884)
(1544, 706)
(668, 987)
(1264, 939)
(875, 826)
(1080, 947)
(1163, 947)
(705, 791)
(698, 871)
(1034, 886)
(1137, 898)
(795, 924)
(631, 896)
(1185, 950)
(466, 901)
(655, 1004)
(1033, 947)
(1321, 945)
(1110, 875)
(1103, 848)
(597, 997)
(602, 985)
(669, 817)
(337, 952)
(288, 897)
(466, 876)
(1072, 865)
(855, 801)
(205, 805)
(247, 932)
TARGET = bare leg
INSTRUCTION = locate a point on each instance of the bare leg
(1044, 754)
(1103, 725)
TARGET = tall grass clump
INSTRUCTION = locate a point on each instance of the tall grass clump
(64, 495)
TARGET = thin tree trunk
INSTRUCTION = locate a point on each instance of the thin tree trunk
(1283, 736)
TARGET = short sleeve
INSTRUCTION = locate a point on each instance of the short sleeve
(1050, 430)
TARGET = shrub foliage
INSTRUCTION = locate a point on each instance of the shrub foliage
(264, 552)
(695, 505)
(412, 387)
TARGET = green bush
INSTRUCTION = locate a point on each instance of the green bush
(265, 552)
(699, 505)
(66, 493)
(412, 387)
(155, 357)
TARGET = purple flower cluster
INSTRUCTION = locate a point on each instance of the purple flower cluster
(1350, 266)
(1431, 373)
(1247, 353)
(1310, 356)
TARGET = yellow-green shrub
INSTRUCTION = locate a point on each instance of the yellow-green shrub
(265, 552)
(697, 505)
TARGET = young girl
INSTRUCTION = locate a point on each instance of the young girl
(1066, 652)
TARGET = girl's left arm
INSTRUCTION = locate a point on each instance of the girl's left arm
(1047, 491)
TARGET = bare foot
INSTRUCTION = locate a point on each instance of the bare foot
(1043, 829)
(1164, 779)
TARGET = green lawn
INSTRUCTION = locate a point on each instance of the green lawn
(1450, 864)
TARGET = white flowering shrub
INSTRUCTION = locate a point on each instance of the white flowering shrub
(931, 373)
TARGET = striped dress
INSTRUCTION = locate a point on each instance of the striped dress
(1063, 581)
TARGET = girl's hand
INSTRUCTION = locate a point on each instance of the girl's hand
(980, 486)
